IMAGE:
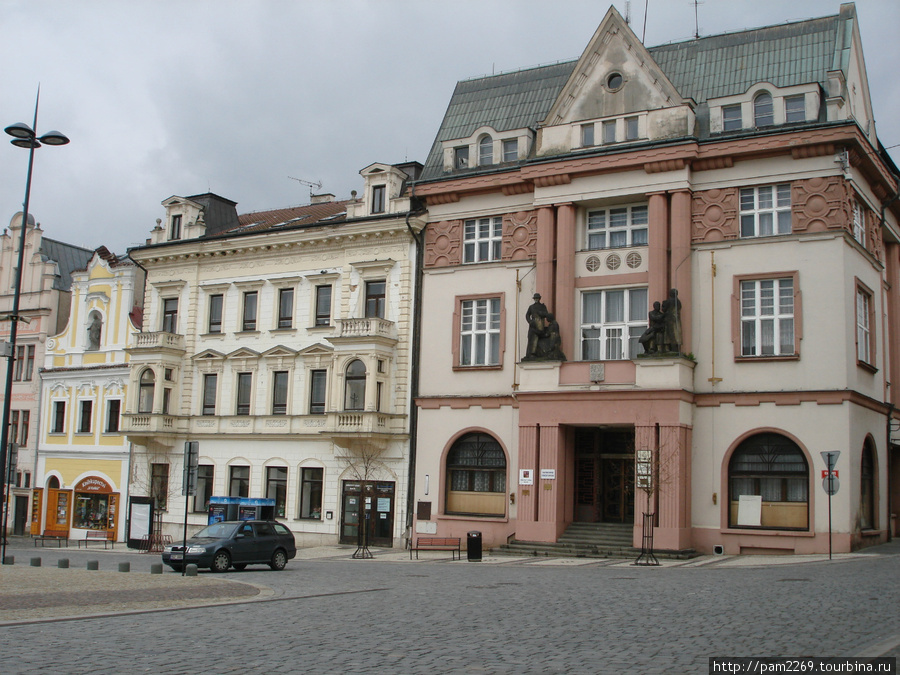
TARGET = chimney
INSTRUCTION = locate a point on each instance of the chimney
(325, 198)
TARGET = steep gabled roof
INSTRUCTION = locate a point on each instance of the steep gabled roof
(67, 257)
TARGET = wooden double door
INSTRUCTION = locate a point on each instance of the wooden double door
(604, 476)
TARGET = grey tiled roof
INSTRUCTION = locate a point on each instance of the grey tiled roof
(710, 67)
(67, 257)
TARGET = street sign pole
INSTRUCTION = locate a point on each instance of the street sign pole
(831, 486)
(188, 489)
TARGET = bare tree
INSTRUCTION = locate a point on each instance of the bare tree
(365, 463)
(148, 477)
(653, 471)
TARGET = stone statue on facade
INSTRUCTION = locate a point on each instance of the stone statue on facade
(652, 338)
(93, 333)
(671, 308)
(544, 341)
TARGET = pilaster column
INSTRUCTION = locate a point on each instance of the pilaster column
(526, 511)
(892, 330)
(680, 260)
(564, 297)
(658, 244)
(546, 251)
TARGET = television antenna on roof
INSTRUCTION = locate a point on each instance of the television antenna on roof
(312, 186)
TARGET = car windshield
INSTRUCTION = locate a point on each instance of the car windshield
(216, 531)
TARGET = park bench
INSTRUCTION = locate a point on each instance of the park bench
(105, 536)
(57, 536)
(451, 544)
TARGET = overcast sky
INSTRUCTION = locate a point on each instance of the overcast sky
(181, 97)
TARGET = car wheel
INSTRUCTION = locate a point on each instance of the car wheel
(279, 560)
(177, 568)
(221, 562)
(239, 566)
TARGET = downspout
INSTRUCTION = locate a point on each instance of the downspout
(418, 238)
(890, 414)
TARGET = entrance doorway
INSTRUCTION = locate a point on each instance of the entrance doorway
(21, 516)
(371, 502)
(604, 475)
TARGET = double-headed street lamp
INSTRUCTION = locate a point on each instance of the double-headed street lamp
(23, 137)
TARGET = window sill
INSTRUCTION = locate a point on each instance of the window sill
(767, 531)
(754, 359)
(247, 332)
(320, 328)
(498, 366)
(218, 334)
(470, 516)
(284, 331)
(866, 366)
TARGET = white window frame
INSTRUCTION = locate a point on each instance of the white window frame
(482, 239)
(729, 121)
(632, 128)
(485, 151)
(617, 337)
(767, 306)
(790, 110)
(608, 132)
(510, 149)
(600, 229)
(587, 135)
(479, 332)
(859, 223)
(763, 110)
(85, 420)
(763, 209)
(864, 349)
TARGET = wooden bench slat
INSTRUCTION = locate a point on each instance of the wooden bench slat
(452, 544)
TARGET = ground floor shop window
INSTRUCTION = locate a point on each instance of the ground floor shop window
(95, 505)
(773, 468)
(311, 493)
(476, 476)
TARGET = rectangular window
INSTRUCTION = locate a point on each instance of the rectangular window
(22, 421)
(378, 198)
(86, 412)
(318, 379)
(611, 323)
(864, 326)
(617, 227)
(286, 308)
(276, 487)
(323, 305)
(175, 229)
(159, 485)
(375, 299)
(279, 392)
(167, 397)
(204, 488)
(24, 367)
(248, 320)
(58, 425)
(609, 132)
(631, 128)
(210, 383)
(767, 317)
(510, 150)
(244, 388)
(482, 239)
(239, 481)
(170, 315)
(113, 412)
(461, 157)
(14, 426)
(587, 135)
(766, 210)
(731, 118)
(215, 313)
(859, 223)
(311, 493)
(795, 109)
(479, 335)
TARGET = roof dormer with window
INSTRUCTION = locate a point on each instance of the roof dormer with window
(765, 105)
(486, 148)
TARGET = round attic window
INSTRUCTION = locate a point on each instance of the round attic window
(614, 81)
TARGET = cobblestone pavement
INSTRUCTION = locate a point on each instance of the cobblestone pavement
(327, 613)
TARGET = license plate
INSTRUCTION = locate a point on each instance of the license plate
(175, 556)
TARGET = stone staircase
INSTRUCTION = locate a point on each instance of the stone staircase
(588, 540)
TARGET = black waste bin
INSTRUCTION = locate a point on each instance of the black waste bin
(473, 545)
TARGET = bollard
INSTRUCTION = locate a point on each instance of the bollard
(93, 564)
(9, 560)
(190, 570)
(35, 562)
(156, 568)
(124, 567)
(63, 563)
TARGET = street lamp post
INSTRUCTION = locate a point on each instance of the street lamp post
(23, 137)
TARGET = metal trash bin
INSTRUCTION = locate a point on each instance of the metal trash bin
(473, 545)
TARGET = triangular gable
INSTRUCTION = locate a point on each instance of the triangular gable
(317, 349)
(243, 353)
(614, 49)
(208, 355)
(279, 351)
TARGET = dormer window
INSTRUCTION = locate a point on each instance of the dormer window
(763, 110)
(378, 198)
(461, 157)
(795, 109)
(609, 132)
(731, 118)
(175, 228)
(510, 150)
(587, 135)
(631, 128)
(485, 151)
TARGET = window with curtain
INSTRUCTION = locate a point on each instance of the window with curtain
(285, 308)
(280, 382)
(773, 467)
(244, 388)
(146, 388)
(276, 487)
(611, 322)
(482, 239)
(485, 151)
(476, 476)
(215, 313)
(864, 325)
(766, 210)
(355, 386)
(317, 382)
(617, 227)
(479, 335)
(763, 110)
(210, 384)
(767, 317)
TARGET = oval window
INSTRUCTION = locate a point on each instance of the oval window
(615, 81)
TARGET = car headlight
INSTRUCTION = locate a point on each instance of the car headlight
(167, 549)
(196, 549)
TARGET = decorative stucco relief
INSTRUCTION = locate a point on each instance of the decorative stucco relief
(820, 204)
(443, 244)
(714, 215)
(874, 240)
(519, 235)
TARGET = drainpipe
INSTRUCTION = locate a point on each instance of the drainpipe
(419, 238)
(890, 414)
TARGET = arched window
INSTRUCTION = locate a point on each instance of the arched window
(867, 487)
(763, 110)
(476, 476)
(485, 151)
(145, 391)
(773, 467)
(53, 483)
(355, 386)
